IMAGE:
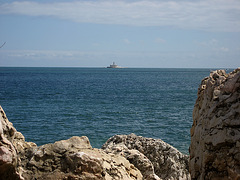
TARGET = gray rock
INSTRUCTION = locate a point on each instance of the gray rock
(139, 160)
(151, 156)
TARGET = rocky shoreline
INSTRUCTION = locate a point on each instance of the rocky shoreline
(214, 149)
(121, 157)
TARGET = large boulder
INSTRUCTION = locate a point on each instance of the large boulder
(215, 133)
(76, 159)
(153, 157)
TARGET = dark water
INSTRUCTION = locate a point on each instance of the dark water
(50, 104)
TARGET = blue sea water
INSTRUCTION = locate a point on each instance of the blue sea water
(50, 104)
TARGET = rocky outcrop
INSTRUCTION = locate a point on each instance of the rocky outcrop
(153, 157)
(215, 133)
(12, 149)
(76, 159)
(67, 159)
(127, 157)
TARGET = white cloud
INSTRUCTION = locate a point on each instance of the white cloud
(159, 40)
(213, 45)
(224, 49)
(38, 54)
(126, 41)
(209, 43)
(210, 15)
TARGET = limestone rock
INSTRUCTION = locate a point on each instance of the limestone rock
(139, 160)
(75, 158)
(215, 133)
(10, 155)
(153, 157)
(67, 159)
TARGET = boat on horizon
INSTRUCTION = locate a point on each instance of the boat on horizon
(114, 65)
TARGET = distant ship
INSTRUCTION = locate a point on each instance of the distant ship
(114, 65)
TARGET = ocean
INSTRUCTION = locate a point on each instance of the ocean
(51, 104)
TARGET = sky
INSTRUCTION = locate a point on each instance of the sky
(133, 33)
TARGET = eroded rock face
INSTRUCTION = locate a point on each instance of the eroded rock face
(215, 133)
(153, 157)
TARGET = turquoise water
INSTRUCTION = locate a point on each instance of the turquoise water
(50, 104)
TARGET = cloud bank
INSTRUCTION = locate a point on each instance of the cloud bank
(208, 15)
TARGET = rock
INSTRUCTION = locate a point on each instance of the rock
(138, 159)
(215, 133)
(153, 157)
(1, 129)
(5, 155)
(9, 159)
(75, 158)
(124, 157)
(67, 159)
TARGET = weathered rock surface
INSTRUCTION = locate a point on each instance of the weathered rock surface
(12, 149)
(67, 159)
(215, 133)
(153, 157)
(76, 159)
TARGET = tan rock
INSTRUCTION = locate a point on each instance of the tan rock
(76, 158)
(67, 159)
(9, 159)
(215, 135)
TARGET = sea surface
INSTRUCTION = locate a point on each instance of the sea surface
(51, 104)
